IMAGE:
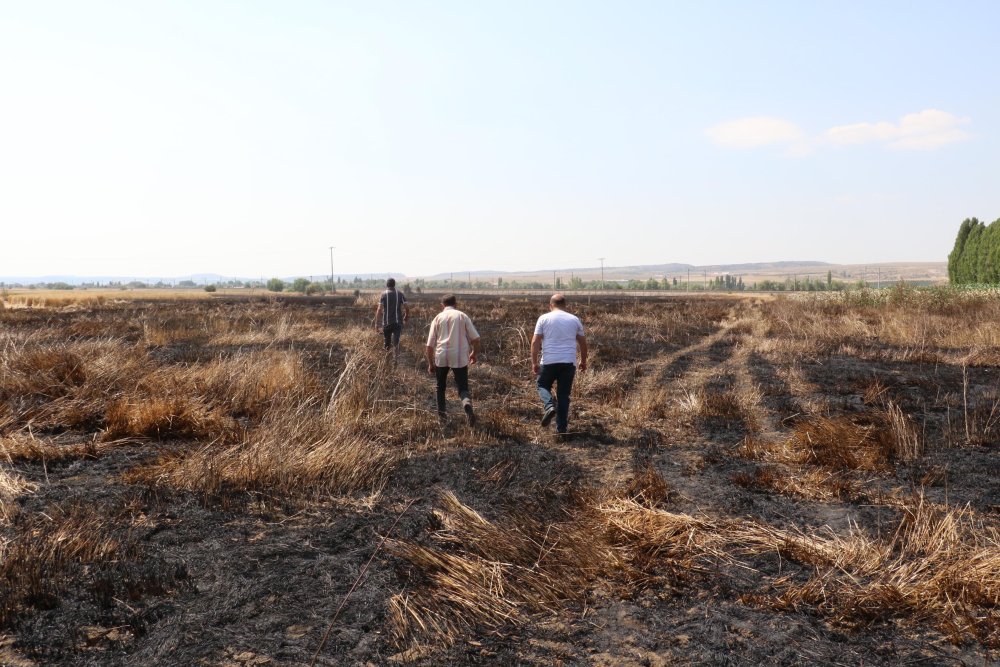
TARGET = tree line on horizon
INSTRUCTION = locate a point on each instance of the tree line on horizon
(720, 283)
(976, 255)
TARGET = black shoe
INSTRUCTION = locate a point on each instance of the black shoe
(470, 415)
(547, 417)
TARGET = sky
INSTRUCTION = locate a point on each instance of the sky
(246, 137)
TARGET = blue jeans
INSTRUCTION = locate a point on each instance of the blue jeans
(562, 375)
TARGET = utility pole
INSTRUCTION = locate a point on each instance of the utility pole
(331, 266)
(687, 285)
(878, 283)
(602, 271)
(553, 280)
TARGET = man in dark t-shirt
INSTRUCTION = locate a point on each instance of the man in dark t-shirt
(390, 315)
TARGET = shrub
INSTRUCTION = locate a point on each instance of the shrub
(275, 285)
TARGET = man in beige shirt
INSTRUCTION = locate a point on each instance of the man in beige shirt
(452, 343)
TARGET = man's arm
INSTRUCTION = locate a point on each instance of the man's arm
(431, 345)
(473, 355)
(406, 312)
(378, 315)
(536, 353)
(581, 340)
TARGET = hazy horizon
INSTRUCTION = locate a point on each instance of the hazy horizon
(611, 271)
(161, 139)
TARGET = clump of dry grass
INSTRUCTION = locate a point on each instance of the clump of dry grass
(611, 385)
(109, 385)
(817, 458)
(67, 384)
(900, 431)
(812, 483)
(26, 446)
(11, 486)
(941, 567)
(488, 575)
(164, 417)
(295, 450)
(479, 573)
(722, 406)
(51, 550)
(837, 443)
(902, 325)
(647, 487)
(659, 546)
(840, 443)
(248, 385)
(302, 443)
(501, 473)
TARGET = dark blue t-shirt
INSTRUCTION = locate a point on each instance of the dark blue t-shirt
(392, 301)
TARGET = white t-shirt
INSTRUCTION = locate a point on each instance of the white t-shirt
(559, 330)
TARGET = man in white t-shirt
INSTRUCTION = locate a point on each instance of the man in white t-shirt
(557, 336)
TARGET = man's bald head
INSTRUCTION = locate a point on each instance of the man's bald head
(558, 300)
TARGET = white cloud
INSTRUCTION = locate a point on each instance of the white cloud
(861, 133)
(930, 128)
(754, 132)
(924, 130)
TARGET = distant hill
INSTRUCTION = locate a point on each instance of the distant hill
(927, 272)
(640, 270)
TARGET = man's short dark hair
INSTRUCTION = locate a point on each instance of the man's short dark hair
(391, 282)
(558, 300)
(449, 300)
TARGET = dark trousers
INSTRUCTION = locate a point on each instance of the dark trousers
(562, 375)
(461, 381)
(391, 333)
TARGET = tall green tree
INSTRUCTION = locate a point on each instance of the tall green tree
(955, 257)
(975, 257)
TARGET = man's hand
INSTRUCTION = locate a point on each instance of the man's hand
(430, 368)
(583, 365)
(472, 357)
(536, 354)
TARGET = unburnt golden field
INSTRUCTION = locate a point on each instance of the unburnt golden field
(237, 481)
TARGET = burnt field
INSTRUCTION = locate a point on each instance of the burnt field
(780, 481)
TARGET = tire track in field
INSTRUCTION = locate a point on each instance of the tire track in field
(640, 425)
